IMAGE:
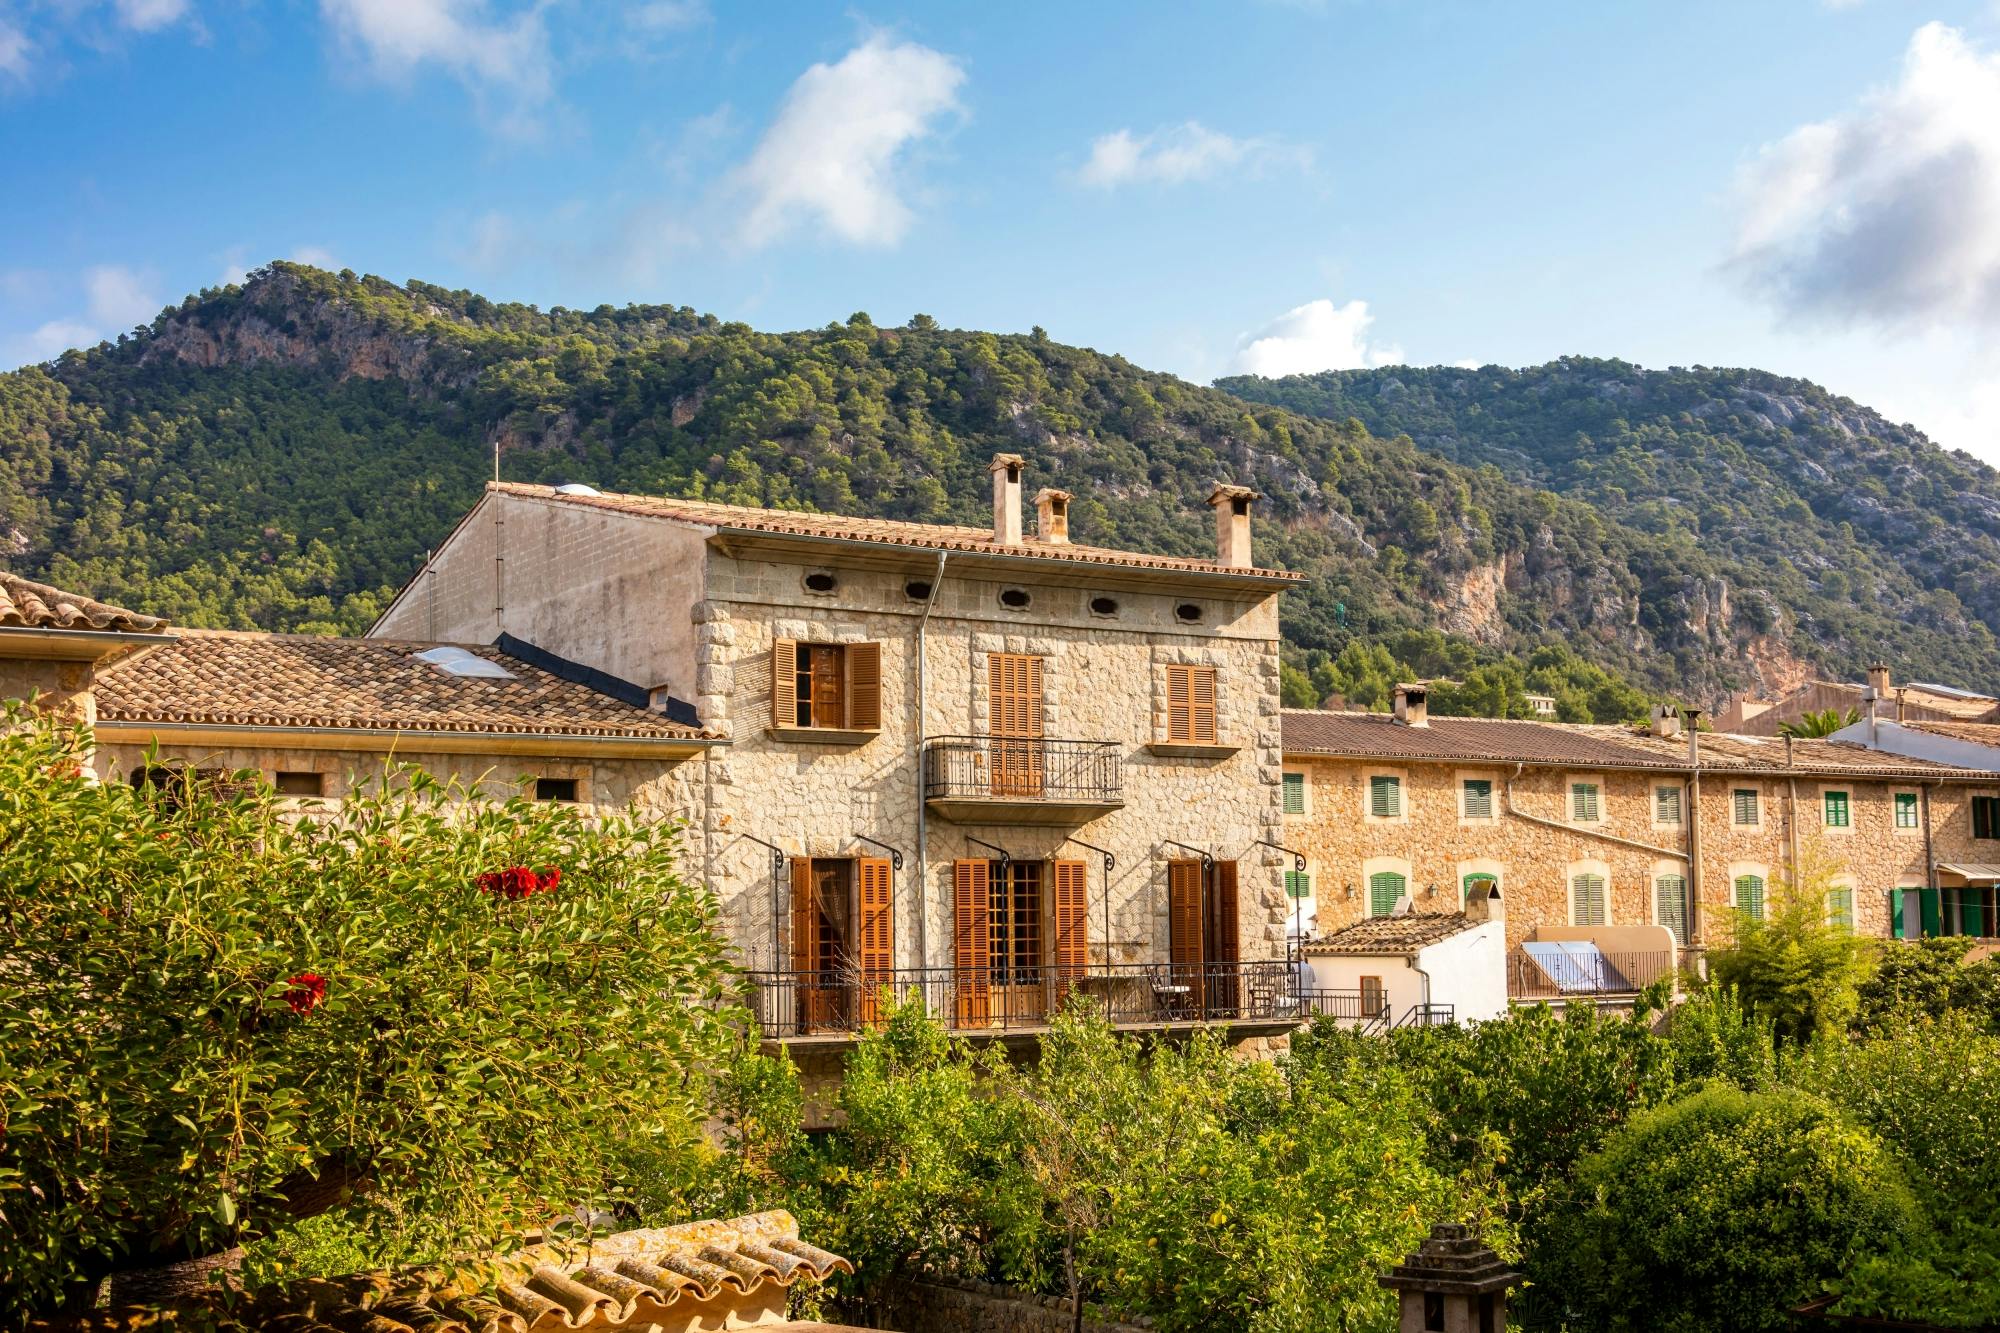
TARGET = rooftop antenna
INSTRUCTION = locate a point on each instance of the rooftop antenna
(496, 461)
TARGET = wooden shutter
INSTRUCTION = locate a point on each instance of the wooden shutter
(1478, 798)
(972, 936)
(1667, 805)
(1385, 890)
(1583, 802)
(1179, 727)
(813, 1000)
(785, 686)
(1750, 896)
(1840, 906)
(1224, 944)
(864, 685)
(1201, 712)
(1184, 925)
(1745, 801)
(1014, 698)
(1587, 900)
(1670, 904)
(877, 934)
(1295, 793)
(1071, 900)
(1385, 797)
(1906, 809)
(1298, 884)
(1837, 810)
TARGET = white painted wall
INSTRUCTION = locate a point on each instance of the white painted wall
(1343, 972)
(1469, 972)
(1895, 738)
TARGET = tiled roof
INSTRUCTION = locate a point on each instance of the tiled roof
(25, 604)
(1400, 934)
(887, 532)
(1579, 745)
(222, 678)
(1979, 733)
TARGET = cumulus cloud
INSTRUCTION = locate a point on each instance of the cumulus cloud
(834, 154)
(1171, 156)
(115, 300)
(316, 255)
(505, 63)
(669, 15)
(1318, 335)
(1891, 212)
(16, 53)
(150, 15)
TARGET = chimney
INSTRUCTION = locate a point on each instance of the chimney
(1052, 516)
(1690, 720)
(1878, 679)
(1232, 524)
(1483, 904)
(1006, 470)
(1871, 703)
(1666, 720)
(1413, 707)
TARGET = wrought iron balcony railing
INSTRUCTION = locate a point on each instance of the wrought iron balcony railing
(1020, 768)
(1581, 976)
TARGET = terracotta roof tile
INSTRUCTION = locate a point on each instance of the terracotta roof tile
(888, 532)
(222, 678)
(1979, 733)
(1399, 934)
(25, 604)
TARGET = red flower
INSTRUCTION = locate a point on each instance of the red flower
(517, 882)
(308, 989)
(551, 876)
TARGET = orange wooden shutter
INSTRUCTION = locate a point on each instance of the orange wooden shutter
(1223, 931)
(785, 686)
(1184, 925)
(1179, 704)
(1201, 705)
(1072, 925)
(806, 980)
(972, 904)
(864, 685)
(877, 903)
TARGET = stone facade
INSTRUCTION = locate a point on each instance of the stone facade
(984, 1307)
(63, 688)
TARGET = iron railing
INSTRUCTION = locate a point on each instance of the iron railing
(1021, 768)
(1007, 999)
(1584, 976)
(1370, 1010)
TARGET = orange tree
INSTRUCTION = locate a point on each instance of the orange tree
(447, 1018)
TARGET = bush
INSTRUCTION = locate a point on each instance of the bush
(1725, 1208)
(1929, 978)
(1791, 969)
(217, 1018)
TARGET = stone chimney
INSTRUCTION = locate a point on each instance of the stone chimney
(1451, 1282)
(1666, 720)
(1006, 470)
(1483, 903)
(1413, 707)
(1878, 680)
(1052, 516)
(1232, 524)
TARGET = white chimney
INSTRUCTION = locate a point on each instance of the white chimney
(1052, 515)
(1232, 524)
(1666, 720)
(1006, 470)
(1413, 708)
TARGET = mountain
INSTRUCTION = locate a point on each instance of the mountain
(280, 454)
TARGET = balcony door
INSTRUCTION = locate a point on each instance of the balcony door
(1015, 751)
(1203, 932)
(841, 939)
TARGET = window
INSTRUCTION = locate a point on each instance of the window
(1188, 612)
(1750, 896)
(1587, 900)
(299, 784)
(1015, 599)
(1016, 947)
(821, 581)
(1838, 812)
(1104, 606)
(1478, 798)
(1298, 884)
(1191, 704)
(1479, 881)
(555, 789)
(1583, 807)
(1666, 805)
(1385, 796)
(1906, 809)
(1295, 793)
(1743, 806)
(1385, 889)
(831, 686)
(1840, 906)
(1986, 816)
(1670, 904)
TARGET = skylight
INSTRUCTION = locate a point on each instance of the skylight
(459, 662)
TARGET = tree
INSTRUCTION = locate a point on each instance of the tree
(1792, 968)
(1814, 725)
(1929, 978)
(447, 1020)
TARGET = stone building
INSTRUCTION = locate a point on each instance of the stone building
(1601, 828)
(989, 763)
(53, 644)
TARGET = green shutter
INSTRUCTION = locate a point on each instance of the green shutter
(1479, 879)
(1896, 912)
(1906, 809)
(1295, 793)
(1478, 798)
(1838, 815)
(1667, 805)
(1670, 904)
(1587, 900)
(1385, 889)
(1385, 797)
(1750, 896)
(1933, 920)
(1744, 800)
(1840, 906)
(1583, 802)
(1298, 884)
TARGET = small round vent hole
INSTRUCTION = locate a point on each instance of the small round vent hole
(1104, 606)
(1015, 599)
(821, 581)
(1187, 611)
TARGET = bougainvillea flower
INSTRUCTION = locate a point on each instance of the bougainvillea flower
(307, 990)
(517, 882)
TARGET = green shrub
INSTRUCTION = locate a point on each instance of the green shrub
(1723, 1209)
(1790, 968)
(1929, 978)
(1712, 1036)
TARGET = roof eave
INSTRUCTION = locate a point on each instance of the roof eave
(75, 645)
(554, 745)
(1707, 770)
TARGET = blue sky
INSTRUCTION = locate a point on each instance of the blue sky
(1804, 186)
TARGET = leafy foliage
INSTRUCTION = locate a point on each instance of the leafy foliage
(1929, 978)
(1813, 725)
(1791, 968)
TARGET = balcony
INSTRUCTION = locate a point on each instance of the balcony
(793, 1006)
(1022, 780)
(1573, 972)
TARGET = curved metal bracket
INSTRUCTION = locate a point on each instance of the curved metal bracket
(895, 857)
(778, 854)
(1298, 858)
(1006, 857)
(1207, 858)
(1110, 861)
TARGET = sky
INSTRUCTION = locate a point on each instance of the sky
(1811, 187)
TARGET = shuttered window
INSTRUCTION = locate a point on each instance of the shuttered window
(1743, 805)
(826, 686)
(972, 941)
(1667, 805)
(1298, 884)
(1906, 809)
(1071, 901)
(1191, 704)
(1670, 904)
(1478, 798)
(1385, 796)
(1586, 899)
(1295, 793)
(1840, 906)
(1838, 812)
(1583, 807)
(1385, 889)
(1750, 896)
(1986, 816)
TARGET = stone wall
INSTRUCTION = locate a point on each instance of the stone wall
(982, 1307)
(63, 688)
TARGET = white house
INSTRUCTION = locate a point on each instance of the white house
(1415, 966)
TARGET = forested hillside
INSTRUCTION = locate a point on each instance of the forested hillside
(281, 455)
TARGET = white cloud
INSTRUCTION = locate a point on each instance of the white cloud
(833, 155)
(316, 255)
(1173, 155)
(1318, 335)
(670, 15)
(48, 342)
(491, 242)
(16, 52)
(1891, 212)
(118, 299)
(504, 63)
(150, 15)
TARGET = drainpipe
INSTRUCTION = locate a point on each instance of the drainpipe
(1792, 816)
(923, 808)
(1930, 865)
(1690, 717)
(1577, 830)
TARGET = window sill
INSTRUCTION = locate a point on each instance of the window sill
(824, 735)
(1191, 750)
